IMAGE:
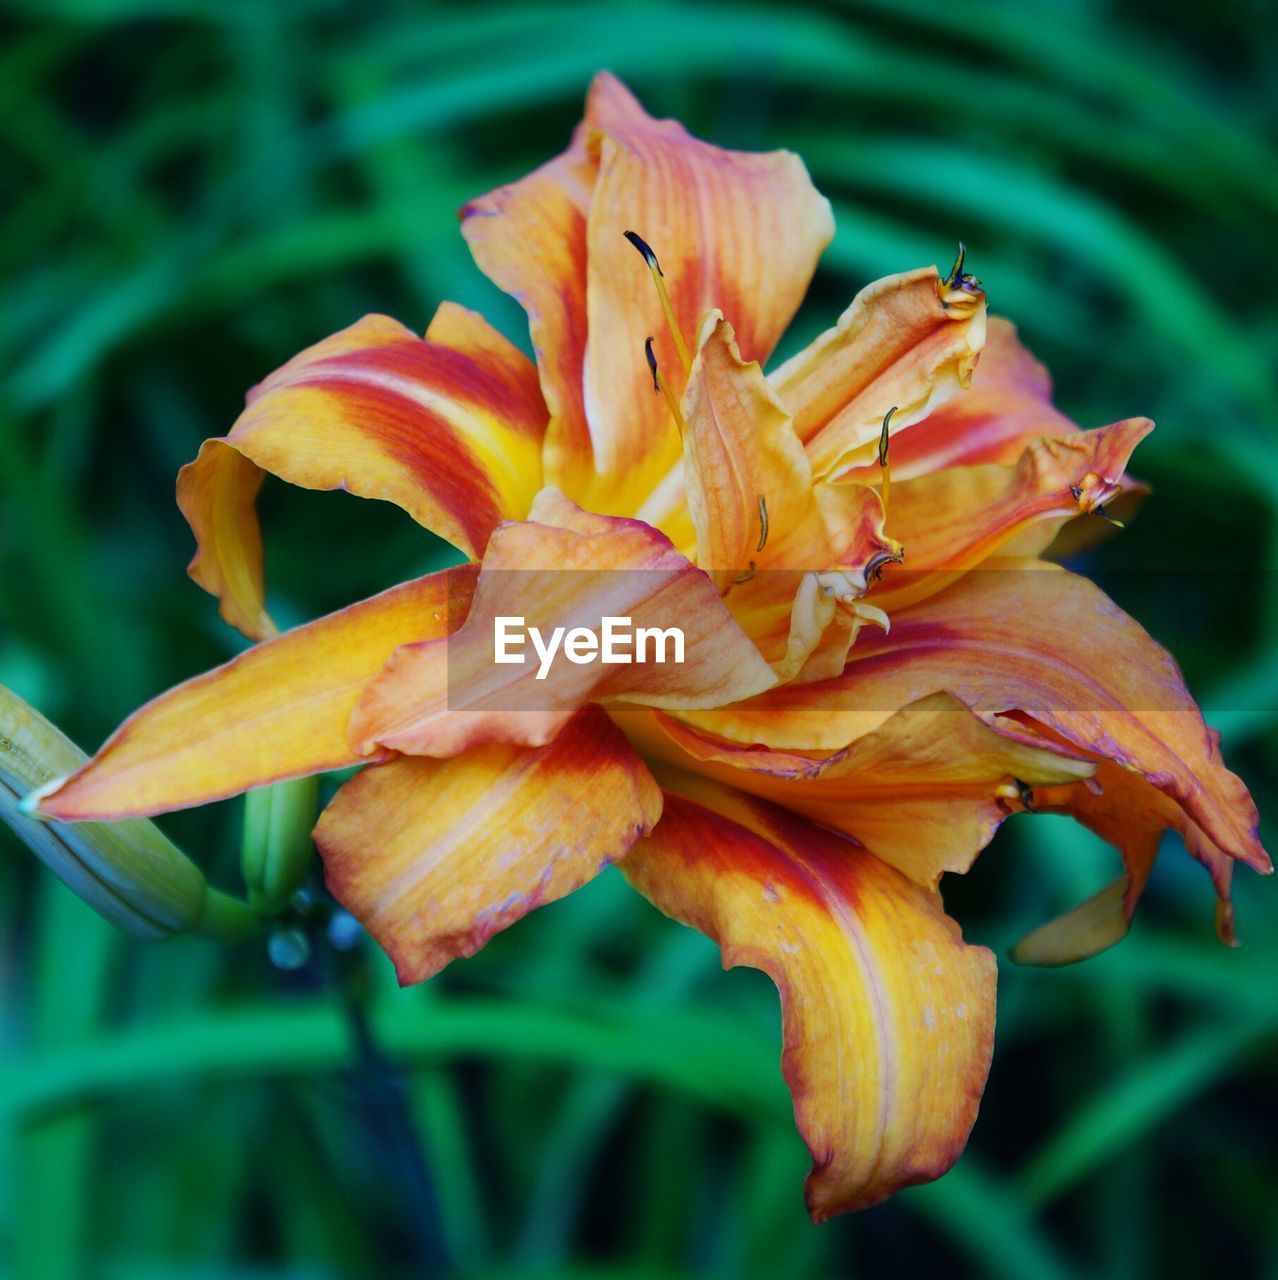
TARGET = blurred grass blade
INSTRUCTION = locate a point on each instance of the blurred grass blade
(991, 1223)
(1161, 1085)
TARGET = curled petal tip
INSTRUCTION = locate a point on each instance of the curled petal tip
(872, 614)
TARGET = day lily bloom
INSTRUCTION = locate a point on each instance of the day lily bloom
(880, 663)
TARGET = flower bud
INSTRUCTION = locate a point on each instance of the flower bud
(129, 872)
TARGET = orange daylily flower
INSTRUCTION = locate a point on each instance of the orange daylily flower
(847, 725)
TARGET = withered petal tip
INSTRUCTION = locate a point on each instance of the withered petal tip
(30, 803)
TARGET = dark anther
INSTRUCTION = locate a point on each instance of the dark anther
(646, 250)
(875, 565)
(958, 278)
(883, 437)
(1077, 492)
(652, 363)
(1025, 793)
(763, 523)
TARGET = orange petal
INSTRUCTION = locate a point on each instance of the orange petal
(563, 568)
(762, 528)
(1093, 926)
(1123, 808)
(733, 230)
(278, 711)
(1007, 406)
(949, 521)
(1104, 919)
(925, 792)
(1024, 636)
(529, 238)
(749, 481)
(907, 342)
(448, 427)
(435, 856)
(888, 1018)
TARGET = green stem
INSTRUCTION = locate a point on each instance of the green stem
(227, 919)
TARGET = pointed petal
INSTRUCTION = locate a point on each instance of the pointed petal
(564, 568)
(1007, 406)
(733, 230)
(1097, 924)
(278, 711)
(433, 857)
(1122, 807)
(529, 238)
(925, 792)
(448, 427)
(950, 521)
(1024, 636)
(888, 1018)
(907, 342)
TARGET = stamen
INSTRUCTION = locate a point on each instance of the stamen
(656, 380)
(763, 523)
(877, 562)
(1025, 794)
(660, 384)
(958, 278)
(883, 458)
(659, 279)
(1091, 481)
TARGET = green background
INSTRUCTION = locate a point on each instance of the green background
(192, 190)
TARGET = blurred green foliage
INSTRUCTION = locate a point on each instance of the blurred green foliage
(192, 190)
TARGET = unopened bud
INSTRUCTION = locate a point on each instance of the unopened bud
(130, 871)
